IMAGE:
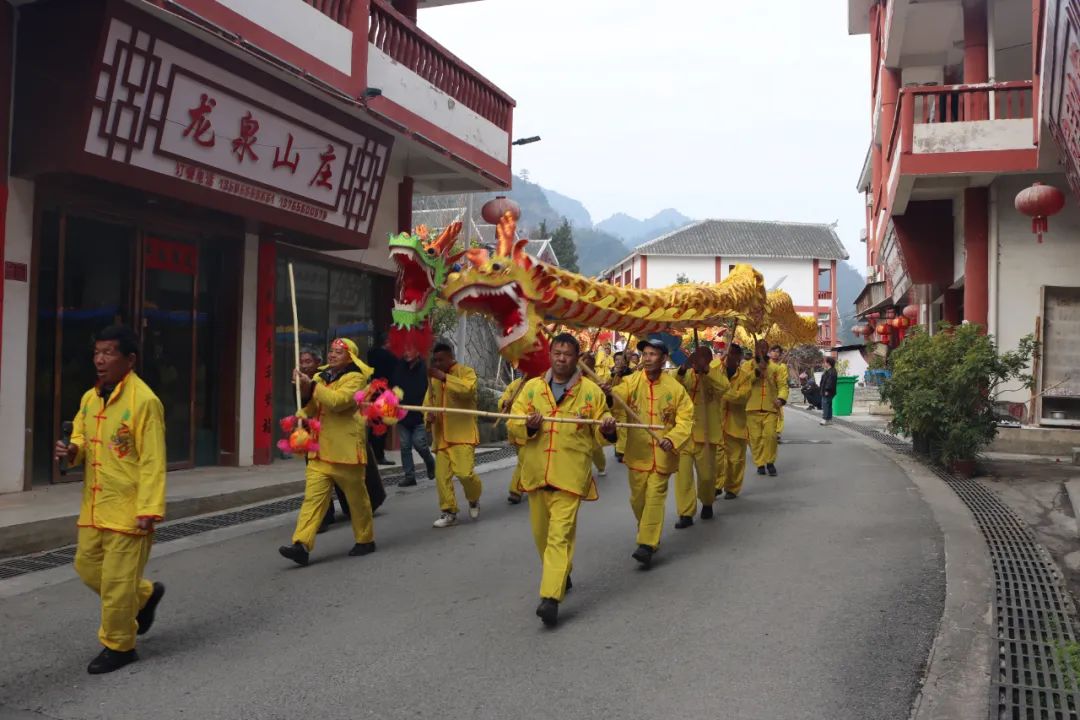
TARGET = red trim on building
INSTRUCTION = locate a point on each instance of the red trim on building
(833, 316)
(643, 277)
(996, 161)
(976, 255)
(719, 268)
(264, 352)
(814, 285)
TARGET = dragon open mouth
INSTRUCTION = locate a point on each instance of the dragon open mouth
(504, 304)
(415, 280)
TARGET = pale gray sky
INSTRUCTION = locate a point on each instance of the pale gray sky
(717, 108)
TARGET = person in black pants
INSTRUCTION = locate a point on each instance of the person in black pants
(828, 391)
(383, 362)
(411, 376)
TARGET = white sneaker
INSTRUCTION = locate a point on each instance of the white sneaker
(603, 473)
(445, 520)
(474, 511)
(824, 422)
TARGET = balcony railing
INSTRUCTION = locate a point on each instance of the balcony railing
(824, 295)
(966, 103)
(393, 34)
(338, 10)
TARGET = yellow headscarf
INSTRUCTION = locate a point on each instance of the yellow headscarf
(354, 354)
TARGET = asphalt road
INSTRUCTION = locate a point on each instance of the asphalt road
(814, 595)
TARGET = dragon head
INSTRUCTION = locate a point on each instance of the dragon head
(506, 288)
(422, 267)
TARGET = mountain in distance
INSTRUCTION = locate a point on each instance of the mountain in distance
(634, 232)
(849, 283)
(569, 208)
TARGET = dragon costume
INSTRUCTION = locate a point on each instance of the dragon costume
(422, 268)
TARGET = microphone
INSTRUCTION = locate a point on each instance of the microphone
(66, 428)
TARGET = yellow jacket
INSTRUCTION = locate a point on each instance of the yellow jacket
(705, 392)
(664, 402)
(768, 388)
(733, 404)
(458, 391)
(604, 365)
(559, 455)
(122, 444)
(504, 405)
(341, 436)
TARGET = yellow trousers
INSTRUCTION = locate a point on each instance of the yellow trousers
(320, 479)
(762, 429)
(515, 481)
(553, 514)
(648, 496)
(687, 494)
(620, 441)
(735, 452)
(459, 461)
(720, 464)
(599, 458)
(780, 421)
(111, 564)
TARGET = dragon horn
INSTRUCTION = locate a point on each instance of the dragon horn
(446, 239)
(506, 233)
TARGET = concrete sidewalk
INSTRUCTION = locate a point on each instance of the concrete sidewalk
(44, 518)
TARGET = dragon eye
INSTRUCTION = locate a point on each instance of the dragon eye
(431, 251)
(456, 267)
(496, 267)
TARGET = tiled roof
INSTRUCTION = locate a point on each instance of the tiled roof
(749, 238)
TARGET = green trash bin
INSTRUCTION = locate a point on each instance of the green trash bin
(845, 395)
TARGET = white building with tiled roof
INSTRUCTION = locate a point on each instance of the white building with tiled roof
(798, 258)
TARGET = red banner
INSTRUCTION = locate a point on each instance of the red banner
(171, 256)
(264, 353)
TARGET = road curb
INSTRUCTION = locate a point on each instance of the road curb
(956, 683)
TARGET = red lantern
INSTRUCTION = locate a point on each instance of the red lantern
(911, 312)
(900, 323)
(493, 210)
(1040, 202)
(883, 330)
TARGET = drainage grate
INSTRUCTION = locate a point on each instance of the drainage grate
(1036, 641)
(63, 556)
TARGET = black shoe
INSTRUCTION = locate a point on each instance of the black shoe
(761, 470)
(569, 584)
(109, 660)
(771, 469)
(618, 457)
(730, 495)
(548, 611)
(514, 498)
(431, 472)
(706, 512)
(719, 492)
(407, 482)
(362, 549)
(385, 461)
(643, 555)
(295, 552)
(685, 521)
(145, 618)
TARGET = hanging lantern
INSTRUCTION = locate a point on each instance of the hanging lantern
(493, 210)
(1039, 202)
(900, 323)
(883, 330)
(911, 312)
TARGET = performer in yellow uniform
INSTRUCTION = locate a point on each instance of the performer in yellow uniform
(605, 363)
(119, 436)
(555, 462)
(705, 385)
(769, 394)
(453, 385)
(599, 458)
(658, 398)
(619, 373)
(733, 413)
(341, 458)
(775, 356)
(505, 403)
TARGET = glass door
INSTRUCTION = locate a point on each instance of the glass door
(168, 338)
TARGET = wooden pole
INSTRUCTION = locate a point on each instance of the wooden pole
(1034, 402)
(296, 333)
(508, 416)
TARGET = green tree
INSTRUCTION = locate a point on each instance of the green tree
(562, 242)
(682, 279)
(542, 232)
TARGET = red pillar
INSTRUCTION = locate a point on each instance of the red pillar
(264, 352)
(404, 207)
(976, 57)
(954, 300)
(832, 302)
(644, 276)
(977, 262)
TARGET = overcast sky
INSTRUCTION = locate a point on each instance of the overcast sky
(717, 108)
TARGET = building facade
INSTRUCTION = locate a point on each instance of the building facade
(798, 258)
(167, 160)
(970, 103)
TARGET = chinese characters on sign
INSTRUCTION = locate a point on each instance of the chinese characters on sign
(200, 123)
